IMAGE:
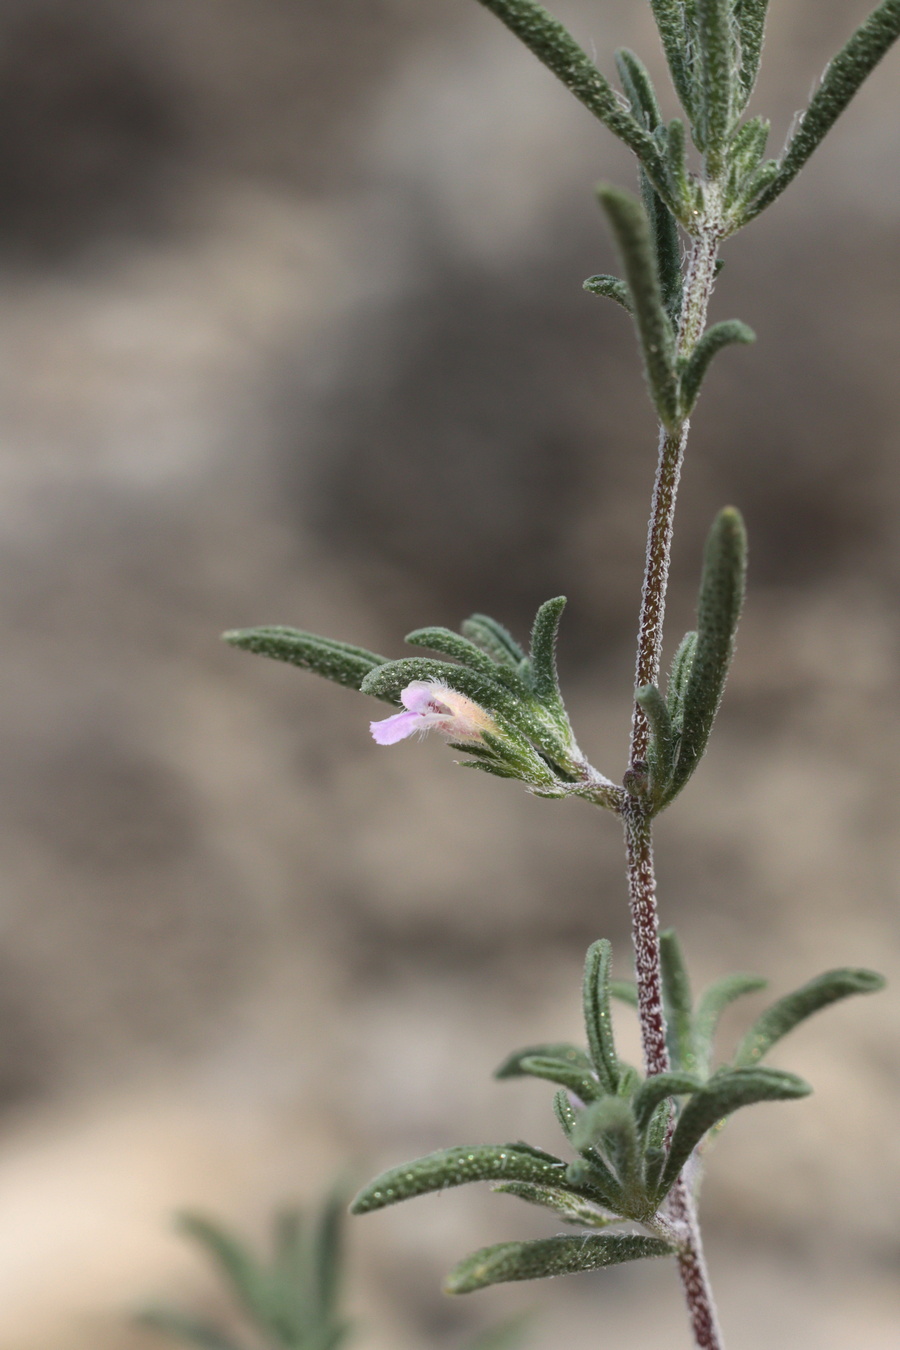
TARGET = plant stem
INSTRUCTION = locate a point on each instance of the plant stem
(680, 1207)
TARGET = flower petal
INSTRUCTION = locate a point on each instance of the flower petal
(390, 730)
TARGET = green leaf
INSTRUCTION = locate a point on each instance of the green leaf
(677, 36)
(723, 1094)
(336, 661)
(543, 650)
(194, 1330)
(676, 163)
(243, 1273)
(842, 78)
(494, 639)
(713, 340)
(638, 88)
(597, 1017)
(717, 55)
(555, 47)
(451, 644)
(678, 1003)
(713, 1003)
(678, 678)
(661, 755)
(571, 1208)
(631, 228)
(558, 1071)
(784, 1015)
(548, 1256)
(327, 1253)
(655, 1090)
(608, 1126)
(751, 21)
(718, 611)
(456, 1167)
(611, 287)
(560, 1051)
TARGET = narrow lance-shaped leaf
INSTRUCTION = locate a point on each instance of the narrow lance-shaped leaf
(655, 1090)
(460, 648)
(548, 1256)
(246, 1278)
(555, 47)
(611, 287)
(719, 1098)
(570, 1208)
(784, 1015)
(678, 677)
(661, 757)
(494, 639)
(293, 1280)
(640, 93)
(608, 1125)
(716, 42)
(712, 1004)
(584, 1085)
(751, 21)
(507, 1336)
(597, 1016)
(718, 611)
(456, 1167)
(561, 1051)
(632, 231)
(713, 340)
(676, 39)
(842, 78)
(326, 1252)
(676, 163)
(337, 661)
(543, 649)
(678, 1002)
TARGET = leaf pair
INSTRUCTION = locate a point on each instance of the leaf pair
(651, 294)
(291, 1300)
(681, 723)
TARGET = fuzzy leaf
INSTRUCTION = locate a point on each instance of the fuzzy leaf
(678, 678)
(548, 1256)
(327, 1254)
(543, 649)
(751, 20)
(455, 1167)
(494, 639)
(661, 756)
(784, 1015)
(676, 35)
(631, 228)
(337, 661)
(676, 163)
(716, 45)
(612, 287)
(571, 1208)
(597, 1017)
(655, 1090)
(638, 88)
(713, 340)
(713, 1003)
(555, 47)
(584, 1085)
(561, 1051)
(678, 1003)
(506, 1336)
(842, 78)
(722, 1095)
(451, 644)
(718, 611)
(608, 1126)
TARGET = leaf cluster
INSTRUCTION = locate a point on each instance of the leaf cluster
(681, 722)
(533, 741)
(633, 1136)
(290, 1299)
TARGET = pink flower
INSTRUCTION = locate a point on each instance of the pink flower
(430, 705)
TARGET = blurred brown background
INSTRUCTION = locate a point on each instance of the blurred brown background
(292, 331)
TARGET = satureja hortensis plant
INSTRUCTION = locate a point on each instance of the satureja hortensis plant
(638, 1139)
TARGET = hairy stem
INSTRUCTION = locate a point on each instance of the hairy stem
(699, 278)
